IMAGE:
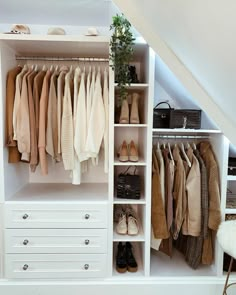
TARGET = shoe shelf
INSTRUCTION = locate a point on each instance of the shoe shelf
(128, 238)
(135, 86)
(140, 201)
(141, 162)
(130, 125)
(138, 257)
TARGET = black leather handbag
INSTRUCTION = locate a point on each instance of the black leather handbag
(128, 185)
(161, 116)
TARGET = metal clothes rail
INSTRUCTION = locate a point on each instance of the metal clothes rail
(51, 58)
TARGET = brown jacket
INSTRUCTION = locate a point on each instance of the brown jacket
(37, 88)
(214, 201)
(30, 80)
(43, 107)
(158, 216)
(213, 185)
(13, 153)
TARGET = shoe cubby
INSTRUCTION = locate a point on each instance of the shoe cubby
(138, 170)
(120, 264)
(137, 97)
(126, 136)
(128, 222)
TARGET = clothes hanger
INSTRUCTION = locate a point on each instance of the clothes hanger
(194, 145)
(44, 68)
(184, 154)
(170, 153)
(51, 68)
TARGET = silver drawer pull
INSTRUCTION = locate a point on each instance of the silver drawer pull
(25, 242)
(86, 216)
(25, 267)
(86, 242)
(86, 266)
(25, 216)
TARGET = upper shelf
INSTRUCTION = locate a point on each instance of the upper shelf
(58, 45)
(180, 131)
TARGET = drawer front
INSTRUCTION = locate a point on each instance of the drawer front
(54, 266)
(56, 216)
(56, 241)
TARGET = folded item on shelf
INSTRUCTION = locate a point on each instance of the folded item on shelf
(19, 29)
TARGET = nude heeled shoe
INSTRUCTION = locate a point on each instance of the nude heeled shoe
(134, 115)
(133, 152)
(123, 152)
(124, 114)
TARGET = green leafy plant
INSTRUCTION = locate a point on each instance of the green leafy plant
(121, 52)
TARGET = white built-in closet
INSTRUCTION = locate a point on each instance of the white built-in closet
(51, 229)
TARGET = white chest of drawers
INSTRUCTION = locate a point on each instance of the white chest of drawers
(55, 240)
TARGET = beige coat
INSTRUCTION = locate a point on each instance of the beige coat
(192, 221)
(43, 106)
(13, 153)
(23, 121)
(51, 130)
(179, 193)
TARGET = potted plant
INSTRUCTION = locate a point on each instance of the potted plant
(121, 52)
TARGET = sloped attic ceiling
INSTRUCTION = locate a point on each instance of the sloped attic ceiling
(195, 39)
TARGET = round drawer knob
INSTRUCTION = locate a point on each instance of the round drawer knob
(25, 216)
(25, 267)
(86, 266)
(25, 242)
(87, 216)
(86, 242)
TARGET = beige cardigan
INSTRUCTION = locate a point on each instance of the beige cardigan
(43, 105)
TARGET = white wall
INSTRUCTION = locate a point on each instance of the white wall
(199, 35)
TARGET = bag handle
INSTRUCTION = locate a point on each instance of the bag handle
(162, 102)
(124, 173)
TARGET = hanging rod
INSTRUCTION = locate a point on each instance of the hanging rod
(50, 58)
(180, 136)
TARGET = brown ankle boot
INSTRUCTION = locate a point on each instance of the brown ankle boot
(124, 114)
(134, 115)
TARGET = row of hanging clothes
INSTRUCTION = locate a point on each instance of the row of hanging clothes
(58, 112)
(185, 210)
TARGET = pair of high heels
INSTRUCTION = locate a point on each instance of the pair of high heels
(131, 116)
(128, 152)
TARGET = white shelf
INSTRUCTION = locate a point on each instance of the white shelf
(141, 162)
(230, 211)
(141, 201)
(231, 177)
(128, 238)
(135, 86)
(58, 45)
(180, 131)
(130, 125)
(61, 192)
(164, 266)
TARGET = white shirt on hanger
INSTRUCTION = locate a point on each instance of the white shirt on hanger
(67, 134)
(97, 120)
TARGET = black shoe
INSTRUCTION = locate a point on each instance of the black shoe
(121, 263)
(132, 265)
